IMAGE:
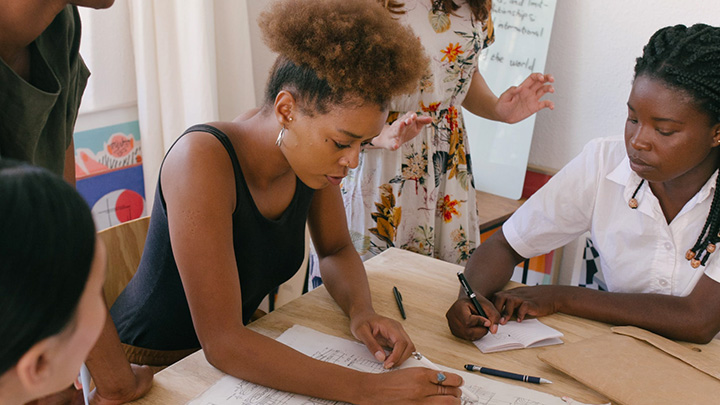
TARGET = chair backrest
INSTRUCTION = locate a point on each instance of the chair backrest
(124, 244)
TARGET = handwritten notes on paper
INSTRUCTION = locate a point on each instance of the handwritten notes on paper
(500, 151)
(232, 391)
(519, 335)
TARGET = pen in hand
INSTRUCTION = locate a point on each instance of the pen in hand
(507, 374)
(471, 294)
(398, 300)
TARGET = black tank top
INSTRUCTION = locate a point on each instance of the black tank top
(152, 312)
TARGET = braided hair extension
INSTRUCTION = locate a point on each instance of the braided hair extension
(688, 58)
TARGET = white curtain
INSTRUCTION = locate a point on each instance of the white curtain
(192, 57)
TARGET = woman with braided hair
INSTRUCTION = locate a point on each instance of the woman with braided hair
(650, 202)
(233, 198)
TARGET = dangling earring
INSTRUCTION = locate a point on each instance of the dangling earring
(280, 137)
(633, 203)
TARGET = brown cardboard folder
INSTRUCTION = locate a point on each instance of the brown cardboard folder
(636, 367)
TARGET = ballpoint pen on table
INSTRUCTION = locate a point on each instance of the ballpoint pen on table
(466, 393)
(398, 299)
(507, 374)
(470, 294)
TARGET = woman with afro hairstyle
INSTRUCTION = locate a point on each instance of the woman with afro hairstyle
(650, 201)
(233, 198)
(420, 163)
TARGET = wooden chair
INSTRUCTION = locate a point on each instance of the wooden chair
(124, 244)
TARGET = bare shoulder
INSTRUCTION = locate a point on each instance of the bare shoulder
(198, 163)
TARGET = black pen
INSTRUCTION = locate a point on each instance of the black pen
(398, 299)
(471, 294)
(507, 374)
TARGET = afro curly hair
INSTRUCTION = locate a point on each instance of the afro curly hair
(334, 52)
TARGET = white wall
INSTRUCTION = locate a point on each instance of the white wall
(262, 57)
(106, 47)
(592, 54)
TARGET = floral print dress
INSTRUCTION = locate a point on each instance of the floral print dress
(421, 197)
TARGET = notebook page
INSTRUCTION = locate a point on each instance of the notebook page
(518, 335)
(529, 331)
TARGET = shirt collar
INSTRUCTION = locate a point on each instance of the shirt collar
(624, 176)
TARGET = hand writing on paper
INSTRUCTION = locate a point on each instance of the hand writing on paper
(535, 301)
(466, 324)
(520, 102)
(378, 332)
(402, 130)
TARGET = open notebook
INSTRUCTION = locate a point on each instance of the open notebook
(519, 335)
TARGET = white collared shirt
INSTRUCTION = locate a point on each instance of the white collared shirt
(639, 251)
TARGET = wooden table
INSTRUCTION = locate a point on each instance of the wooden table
(493, 209)
(428, 287)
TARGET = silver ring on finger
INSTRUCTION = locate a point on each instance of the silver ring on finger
(441, 377)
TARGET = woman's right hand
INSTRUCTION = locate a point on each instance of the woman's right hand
(415, 385)
(402, 130)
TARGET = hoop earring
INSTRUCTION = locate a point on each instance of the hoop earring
(280, 137)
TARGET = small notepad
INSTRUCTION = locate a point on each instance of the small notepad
(519, 335)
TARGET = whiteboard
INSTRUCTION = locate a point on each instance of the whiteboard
(498, 151)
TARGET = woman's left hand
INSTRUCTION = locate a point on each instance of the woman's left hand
(535, 301)
(520, 102)
(378, 332)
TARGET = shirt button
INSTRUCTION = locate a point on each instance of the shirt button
(668, 245)
(663, 283)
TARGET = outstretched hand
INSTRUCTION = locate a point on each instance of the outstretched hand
(402, 130)
(520, 102)
(377, 333)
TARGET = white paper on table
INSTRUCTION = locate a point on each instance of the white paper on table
(233, 391)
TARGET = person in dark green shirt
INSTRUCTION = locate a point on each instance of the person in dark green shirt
(42, 79)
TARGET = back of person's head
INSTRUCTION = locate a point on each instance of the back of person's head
(340, 52)
(686, 58)
(47, 244)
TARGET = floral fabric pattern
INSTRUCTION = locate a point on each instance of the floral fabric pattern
(421, 197)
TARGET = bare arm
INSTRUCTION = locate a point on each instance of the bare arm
(116, 380)
(344, 277)
(201, 237)
(515, 104)
(694, 318)
(69, 170)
